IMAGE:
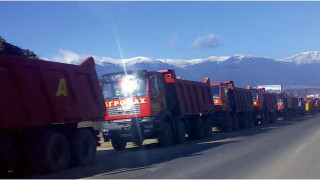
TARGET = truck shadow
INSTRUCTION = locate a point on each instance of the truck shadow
(112, 162)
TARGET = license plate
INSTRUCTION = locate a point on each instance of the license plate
(126, 135)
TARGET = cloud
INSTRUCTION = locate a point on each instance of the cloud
(206, 42)
(175, 42)
(66, 56)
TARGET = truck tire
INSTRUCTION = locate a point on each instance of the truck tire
(286, 115)
(84, 147)
(251, 120)
(180, 136)
(137, 134)
(227, 124)
(208, 127)
(245, 121)
(118, 143)
(55, 155)
(165, 139)
(199, 128)
(267, 118)
(275, 117)
(137, 143)
(263, 120)
(235, 122)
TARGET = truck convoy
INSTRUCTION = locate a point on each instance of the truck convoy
(47, 113)
(233, 106)
(49, 110)
(265, 106)
(287, 103)
(149, 104)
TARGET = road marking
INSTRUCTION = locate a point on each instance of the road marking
(299, 149)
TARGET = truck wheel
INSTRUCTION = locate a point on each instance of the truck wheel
(267, 118)
(286, 115)
(227, 124)
(199, 128)
(235, 122)
(207, 127)
(84, 147)
(263, 120)
(137, 142)
(245, 121)
(118, 143)
(180, 137)
(56, 154)
(137, 134)
(275, 117)
(165, 139)
(251, 120)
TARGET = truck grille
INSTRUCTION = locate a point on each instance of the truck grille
(121, 111)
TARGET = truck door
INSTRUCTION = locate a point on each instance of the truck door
(157, 96)
(224, 97)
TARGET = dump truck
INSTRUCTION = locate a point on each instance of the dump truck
(233, 107)
(145, 104)
(285, 101)
(265, 106)
(284, 105)
(48, 114)
(295, 105)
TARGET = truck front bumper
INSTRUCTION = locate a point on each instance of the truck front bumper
(129, 129)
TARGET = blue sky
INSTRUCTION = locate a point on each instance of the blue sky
(165, 29)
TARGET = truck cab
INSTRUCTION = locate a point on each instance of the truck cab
(134, 101)
(220, 96)
(258, 99)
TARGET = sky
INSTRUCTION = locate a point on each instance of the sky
(166, 30)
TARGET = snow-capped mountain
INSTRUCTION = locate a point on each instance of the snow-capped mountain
(296, 71)
(301, 70)
(304, 58)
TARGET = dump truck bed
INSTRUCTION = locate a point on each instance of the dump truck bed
(192, 97)
(243, 99)
(38, 92)
(271, 101)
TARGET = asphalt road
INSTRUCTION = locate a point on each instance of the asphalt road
(286, 149)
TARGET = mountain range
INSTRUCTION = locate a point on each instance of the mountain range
(299, 71)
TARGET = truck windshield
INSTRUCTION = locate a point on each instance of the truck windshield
(125, 87)
(254, 95)
(215, 91)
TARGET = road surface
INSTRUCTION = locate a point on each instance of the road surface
(286, 149)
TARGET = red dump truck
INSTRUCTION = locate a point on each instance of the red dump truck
(232, 105)
(47, 113)
(285, 105)
(148, 104)
(265, 106)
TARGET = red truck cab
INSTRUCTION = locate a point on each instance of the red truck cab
(132, 99)
(220, 96)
